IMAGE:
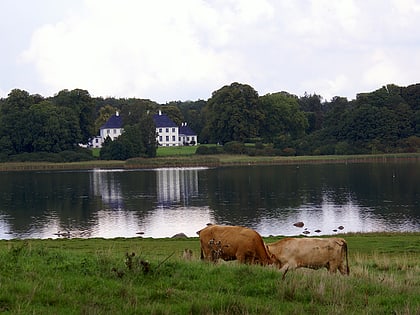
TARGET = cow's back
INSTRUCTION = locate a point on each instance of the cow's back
(233, 242)
(310, 252)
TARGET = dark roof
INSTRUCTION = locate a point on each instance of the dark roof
(163, 121)
(113, 122)
(185, 130)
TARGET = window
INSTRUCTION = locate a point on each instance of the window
(160, 138)
(188, 138)
(115, 131)
(173, 138)
(167, 138)
(167, 129)
(173, 129)
(160, 129)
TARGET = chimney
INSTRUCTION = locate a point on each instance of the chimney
(117, 113)
(160, 112)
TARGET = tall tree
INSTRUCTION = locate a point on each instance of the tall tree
(15, 133)
(132, 110)
(104, 114)
(233, 113)
(311, 104)
(173, 112)
(282, 116)
(83, 105)
(53, 129)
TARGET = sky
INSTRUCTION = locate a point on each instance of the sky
(166, 50)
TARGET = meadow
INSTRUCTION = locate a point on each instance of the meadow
(150, 276)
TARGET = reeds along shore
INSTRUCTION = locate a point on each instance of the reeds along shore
(210, 161)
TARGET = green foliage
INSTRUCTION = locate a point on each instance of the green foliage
(132, 110)
(283, 116)
(235, 147)
(384, 120)
(80, 102)
(209, 150)
(233, 113)
(138, 140)
(104, 114)
(76, 155)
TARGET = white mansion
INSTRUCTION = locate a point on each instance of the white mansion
(167, 132)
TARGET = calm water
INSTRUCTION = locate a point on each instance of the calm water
(160, 203)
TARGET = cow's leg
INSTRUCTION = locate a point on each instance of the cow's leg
(343, 270)
(284, 269)
(241, 258)
(332, 266)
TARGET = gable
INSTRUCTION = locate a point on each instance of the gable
(114, 122)
(163, 121)
(185, 130)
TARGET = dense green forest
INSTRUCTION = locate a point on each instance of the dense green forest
(33, 127)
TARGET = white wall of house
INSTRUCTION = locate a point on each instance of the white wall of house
(97, 142)
(187, 139)
(113, 133)
(167, 136)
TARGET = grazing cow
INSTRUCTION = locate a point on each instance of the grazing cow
(233, 243)
(315, 253)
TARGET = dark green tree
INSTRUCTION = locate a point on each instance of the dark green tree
(83, 105)
(15, 131)
(53, 129)
(233, 113)
(311, 104)
(132, 110)
(173, 112)
(282, 117)
(104, 114)
(137, 140)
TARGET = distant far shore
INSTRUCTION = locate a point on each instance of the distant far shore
(207, 161)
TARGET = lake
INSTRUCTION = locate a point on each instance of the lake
(360, 197)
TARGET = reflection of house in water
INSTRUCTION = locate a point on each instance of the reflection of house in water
(105, 185)
(176, 185)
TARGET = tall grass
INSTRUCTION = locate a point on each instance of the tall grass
(98, 276)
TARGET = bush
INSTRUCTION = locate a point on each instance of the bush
(204, 150)
(288, 152)
(235, 147)
(77, 156)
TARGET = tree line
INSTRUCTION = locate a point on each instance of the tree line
(51, 128)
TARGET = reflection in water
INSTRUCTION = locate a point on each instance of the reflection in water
(161, 203)
(176, 185)
(322, 220)
(107, 186)
(173, 185)
(169, 222)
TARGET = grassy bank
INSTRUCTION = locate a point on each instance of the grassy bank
(191, 160)
(94, 276)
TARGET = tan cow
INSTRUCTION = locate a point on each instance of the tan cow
(233, 243)
(315, 253)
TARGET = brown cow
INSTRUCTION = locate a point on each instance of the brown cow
(233, 243)
(315, 253)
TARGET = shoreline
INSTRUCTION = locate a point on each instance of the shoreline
(208, 161)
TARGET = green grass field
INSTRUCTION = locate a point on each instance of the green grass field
(95, 276)
(175, 151)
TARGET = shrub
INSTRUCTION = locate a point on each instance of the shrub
(202, 150)
(235, 147)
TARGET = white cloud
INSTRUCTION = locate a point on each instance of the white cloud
(178, 50)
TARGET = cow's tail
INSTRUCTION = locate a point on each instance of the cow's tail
(347, 258)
